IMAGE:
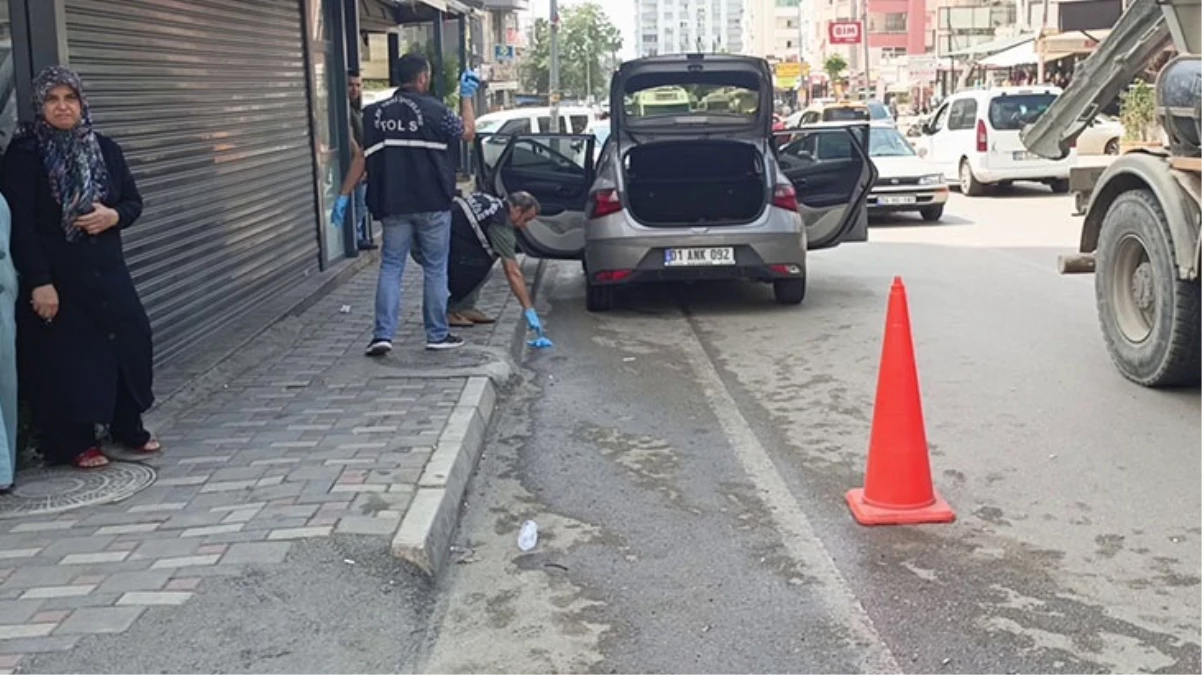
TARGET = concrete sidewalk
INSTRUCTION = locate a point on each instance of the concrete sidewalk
(298, 436)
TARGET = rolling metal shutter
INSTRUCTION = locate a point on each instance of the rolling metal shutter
(209, 100)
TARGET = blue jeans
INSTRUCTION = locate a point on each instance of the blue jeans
(362, 217)
(432, 233)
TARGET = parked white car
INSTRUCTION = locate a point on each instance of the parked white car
(973, 136)
(1103, 136)
(905, 181)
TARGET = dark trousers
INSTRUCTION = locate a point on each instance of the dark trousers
(64, 441)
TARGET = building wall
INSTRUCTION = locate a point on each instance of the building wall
(676, 26)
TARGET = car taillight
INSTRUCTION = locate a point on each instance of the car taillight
(982, 137)
(785, 197)
(603, 203)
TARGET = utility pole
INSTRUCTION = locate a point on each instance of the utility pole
(1043, 26)
(554, 74)
(801, 49)
(867, 61)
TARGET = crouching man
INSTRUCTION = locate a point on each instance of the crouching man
(483, 229)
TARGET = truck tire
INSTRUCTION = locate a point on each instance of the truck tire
(1149, 316)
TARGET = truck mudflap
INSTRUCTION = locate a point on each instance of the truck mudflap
(1081, 182)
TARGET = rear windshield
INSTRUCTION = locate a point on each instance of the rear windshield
(845, 114)
(691, 99)
(1011, 113)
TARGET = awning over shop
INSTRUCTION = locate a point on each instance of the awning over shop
(1060, 45)
(1019, 55)
(991, 47)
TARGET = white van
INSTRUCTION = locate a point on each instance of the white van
(973, 135)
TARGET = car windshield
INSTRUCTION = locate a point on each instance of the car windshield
(691, 99)
(1010, 113)
(887, 143)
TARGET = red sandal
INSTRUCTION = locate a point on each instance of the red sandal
(87, 459)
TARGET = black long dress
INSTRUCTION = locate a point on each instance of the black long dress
(95, 359)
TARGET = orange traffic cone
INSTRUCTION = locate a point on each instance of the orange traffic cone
(897, 488)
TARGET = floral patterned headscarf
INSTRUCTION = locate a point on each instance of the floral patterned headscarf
(72, 159)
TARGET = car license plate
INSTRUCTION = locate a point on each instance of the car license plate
(1022, 156)
(698, 257)
(894, 200)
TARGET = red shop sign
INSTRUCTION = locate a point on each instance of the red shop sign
(844, 32)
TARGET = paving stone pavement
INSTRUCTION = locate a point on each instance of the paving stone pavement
(281, 446)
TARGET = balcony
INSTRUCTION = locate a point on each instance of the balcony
(507, 5)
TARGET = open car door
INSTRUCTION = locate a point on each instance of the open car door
(830, 169)
(558, 170)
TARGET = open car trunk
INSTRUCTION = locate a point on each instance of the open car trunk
(688, 183)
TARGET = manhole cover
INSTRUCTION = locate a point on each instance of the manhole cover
(57, 489)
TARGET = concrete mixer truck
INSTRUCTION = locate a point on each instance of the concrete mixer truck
(1140, 235)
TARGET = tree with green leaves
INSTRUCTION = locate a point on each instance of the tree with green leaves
(834, 66)
(588, 46)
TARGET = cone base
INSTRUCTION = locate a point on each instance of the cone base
(867, 514)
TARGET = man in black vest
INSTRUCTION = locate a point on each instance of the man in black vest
(410, 146)
(483, 229)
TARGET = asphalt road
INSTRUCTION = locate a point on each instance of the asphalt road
(686, 455)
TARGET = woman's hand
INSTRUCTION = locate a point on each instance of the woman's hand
(100, 219)
(45, 302)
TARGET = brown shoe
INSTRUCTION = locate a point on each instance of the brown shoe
(458, 320)
(476, 316)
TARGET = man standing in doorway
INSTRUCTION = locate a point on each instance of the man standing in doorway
(354, 86)
(409, 152)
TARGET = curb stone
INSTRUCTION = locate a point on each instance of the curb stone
(428, 528)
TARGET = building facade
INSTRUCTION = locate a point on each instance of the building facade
(680, 26)
(783, 30)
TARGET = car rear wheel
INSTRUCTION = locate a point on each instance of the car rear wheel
(932, 213)
(969, 185)
(1112, 147)
(789, 291)
(598, 298)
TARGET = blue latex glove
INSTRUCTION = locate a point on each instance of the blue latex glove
(533, 322)
(469, 82)
(540, 342)
(339, 214)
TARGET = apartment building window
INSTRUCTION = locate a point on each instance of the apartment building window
(891, 22)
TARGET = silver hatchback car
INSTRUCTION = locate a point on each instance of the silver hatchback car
(691, 184)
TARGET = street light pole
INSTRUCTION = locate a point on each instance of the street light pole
(867, 61)
(554, 74)
(801, 49)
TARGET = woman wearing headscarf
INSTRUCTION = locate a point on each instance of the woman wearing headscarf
(84, 340)
(8, 354)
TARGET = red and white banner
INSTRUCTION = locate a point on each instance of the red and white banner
(844, 32)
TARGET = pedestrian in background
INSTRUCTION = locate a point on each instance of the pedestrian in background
(84, 340)
(8, 353)
(410, 150)
(354, 91)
